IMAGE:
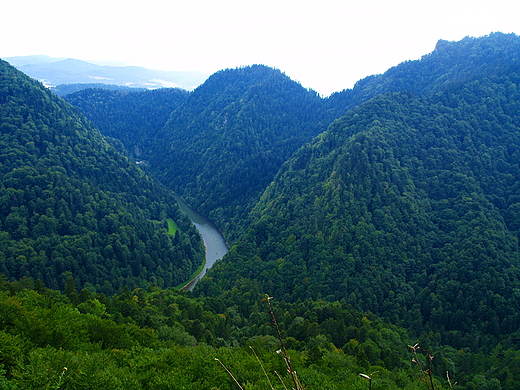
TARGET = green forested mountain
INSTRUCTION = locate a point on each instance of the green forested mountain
(449, 62)
(134, 118)
(225, 143)
(65, 89)
(406, 207)
(70, 205)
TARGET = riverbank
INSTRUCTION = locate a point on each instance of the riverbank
(198, 274)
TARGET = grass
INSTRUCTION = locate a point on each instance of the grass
(172, 229)
(195, 273)
(172, 226)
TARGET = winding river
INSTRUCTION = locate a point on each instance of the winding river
(214, 241)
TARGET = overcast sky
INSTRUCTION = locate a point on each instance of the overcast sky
(326, 45)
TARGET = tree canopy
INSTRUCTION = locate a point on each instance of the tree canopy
(70, 204)
(404, 207)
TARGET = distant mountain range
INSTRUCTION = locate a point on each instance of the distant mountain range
(55, 71)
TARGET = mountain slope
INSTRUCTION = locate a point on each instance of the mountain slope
(225, 143)
(227, 140)
(407, 207)
(450, 62)
(71, 205)
(65, 89)
(133, 118)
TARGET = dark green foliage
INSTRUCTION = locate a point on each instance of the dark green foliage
(65, 89)
(163, 339)
(147, 339)
(407, 209)
(132, 117)
(225, 143)
(450, 62)
(71, 204)
(404, 207)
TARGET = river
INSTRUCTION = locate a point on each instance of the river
(214, 241)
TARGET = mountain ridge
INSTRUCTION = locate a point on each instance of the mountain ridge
(237, 128)
(403, 193)
(449, 62)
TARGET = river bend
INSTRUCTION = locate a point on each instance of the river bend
(214, 241)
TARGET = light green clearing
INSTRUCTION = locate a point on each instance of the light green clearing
(172, 226)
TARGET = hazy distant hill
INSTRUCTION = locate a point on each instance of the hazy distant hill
(35, 59)
(53, 71)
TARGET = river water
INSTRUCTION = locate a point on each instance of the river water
(214, 241)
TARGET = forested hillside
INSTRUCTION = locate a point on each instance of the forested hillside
(225, 143)
(134, 117)
(450, 62)
(407, 207)
(70, 205)
(65, 89)
(163, 339)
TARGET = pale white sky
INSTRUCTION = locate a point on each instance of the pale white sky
(326, 45)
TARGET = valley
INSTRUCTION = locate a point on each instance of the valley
(380, 217)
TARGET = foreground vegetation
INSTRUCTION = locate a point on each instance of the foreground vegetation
(163, 339)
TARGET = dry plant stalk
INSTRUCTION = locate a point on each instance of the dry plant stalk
(370, 378)
(281, 380)
(427, 375)
(282, 350)
(452, 385)
(59, 381)
(263, 369)
(230, 374)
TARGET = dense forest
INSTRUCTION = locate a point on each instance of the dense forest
(163, 339)
(71, 205)
(406, 207)
(379, 218)
(224, 144)
(63, 90)
(450, 62)
(132, 117)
